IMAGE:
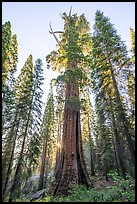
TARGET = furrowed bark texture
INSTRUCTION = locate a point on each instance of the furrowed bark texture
(72, 167)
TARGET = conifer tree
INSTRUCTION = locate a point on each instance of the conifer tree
(110, 54)
(34, 139)
(59, 107)
(47, 132)
(74, 46)
(132, 36)
(104, 138)
(24, 98)
(131, 79)
(29, 95)
(88, 128)
(9, 64)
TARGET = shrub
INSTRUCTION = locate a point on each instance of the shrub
(122, 191)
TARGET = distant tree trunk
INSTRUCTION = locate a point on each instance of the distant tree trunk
(115, 154)
(119, 147)
(131, 91)
(42, 168)
(122, 118)
(17, 175)
(92, 172)
(58, 160)
(72, 165)
(46, 173)
(58, 152)
(106, 176)
(10, 162)
(47, 169)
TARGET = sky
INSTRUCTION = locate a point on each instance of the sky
(30, 21)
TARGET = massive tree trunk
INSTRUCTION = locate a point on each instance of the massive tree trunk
(72, 166)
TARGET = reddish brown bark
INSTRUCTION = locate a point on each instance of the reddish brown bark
(72, 167)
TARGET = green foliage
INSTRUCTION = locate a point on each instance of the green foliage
(24, 84)
(9, 52)
(47, 136)
(75, 76)
(122, 191)
(126, 187)
(34, 141)
(75, 44)
(74, 102)
(103, 54)
(109, 53)
(6, 39)
(9, 64)
(132, 36)
(126, 184)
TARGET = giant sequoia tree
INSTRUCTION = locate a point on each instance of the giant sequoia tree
(70, 129)
(73, 47)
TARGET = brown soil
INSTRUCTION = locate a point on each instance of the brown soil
(101, 183)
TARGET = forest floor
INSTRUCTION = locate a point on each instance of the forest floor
(101, 183)
(115, 189)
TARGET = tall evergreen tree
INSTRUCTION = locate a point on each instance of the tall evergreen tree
(110, 54)
(34, 139)
(132, 36)
(9, 64)
(24, 98)
(47, 133)
(104, 147)
(29, 95)
(75, 41)
(88, 125)
(59, 107)
(131, 79)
